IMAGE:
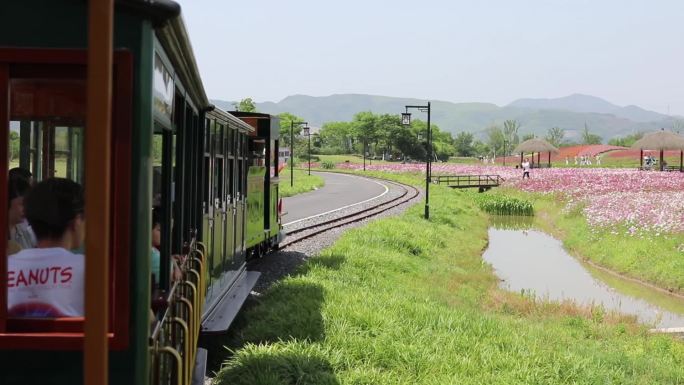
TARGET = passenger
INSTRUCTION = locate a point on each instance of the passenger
(24, 228)
(21, 173)
(18, 235)
(155, 263)
(156, 244)
(48, 281)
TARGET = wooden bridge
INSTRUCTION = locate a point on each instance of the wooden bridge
(482, 182)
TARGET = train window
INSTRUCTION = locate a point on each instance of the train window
(45, 269)
(45, 112)
(163, 89)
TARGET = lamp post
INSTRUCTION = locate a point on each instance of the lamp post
(292, 125)
(406, 120)
(307, 132)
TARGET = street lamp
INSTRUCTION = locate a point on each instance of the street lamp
(307, 132)
(406, 120)
(292, 125)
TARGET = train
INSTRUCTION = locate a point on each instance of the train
(212, 176)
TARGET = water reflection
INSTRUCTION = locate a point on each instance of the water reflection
(511, 222)
(534, 261)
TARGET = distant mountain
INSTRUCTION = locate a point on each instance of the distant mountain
(587, 103)
(535, 115)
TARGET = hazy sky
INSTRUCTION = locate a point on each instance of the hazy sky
(625, 51)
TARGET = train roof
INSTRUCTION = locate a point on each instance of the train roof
(228, 118)
(173, 35)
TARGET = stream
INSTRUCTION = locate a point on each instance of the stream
(532, 261)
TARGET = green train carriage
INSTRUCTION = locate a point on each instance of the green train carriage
(170, 148)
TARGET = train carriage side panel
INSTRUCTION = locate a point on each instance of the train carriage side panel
(62, 24)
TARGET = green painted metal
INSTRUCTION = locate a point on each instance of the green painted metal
(255, 206)
(68, 18)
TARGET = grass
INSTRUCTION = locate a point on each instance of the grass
(500, 204)
(302, 182)
(409, 301)
(655, 259)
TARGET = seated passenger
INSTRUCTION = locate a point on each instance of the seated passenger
(28, 237)
(18, 236)
(156, 244)
(21, 173)
(155, 266)
(48, 281)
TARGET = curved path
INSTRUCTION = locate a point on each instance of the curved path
(339, 191)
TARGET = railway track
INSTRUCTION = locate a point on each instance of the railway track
(302, 233)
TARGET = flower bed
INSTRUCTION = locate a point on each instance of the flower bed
(632, 201)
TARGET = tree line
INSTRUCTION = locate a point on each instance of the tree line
(383, 136)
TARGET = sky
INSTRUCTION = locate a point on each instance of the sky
(625, 51)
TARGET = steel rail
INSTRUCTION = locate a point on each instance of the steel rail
(319, 228)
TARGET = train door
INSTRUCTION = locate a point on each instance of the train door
(218, 203)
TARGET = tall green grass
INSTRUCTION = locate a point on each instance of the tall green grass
(404, 300)
(500, 204)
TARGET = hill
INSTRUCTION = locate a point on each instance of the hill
(535, 115)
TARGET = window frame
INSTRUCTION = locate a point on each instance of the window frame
(68, 333)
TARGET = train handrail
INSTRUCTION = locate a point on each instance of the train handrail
(176, 332)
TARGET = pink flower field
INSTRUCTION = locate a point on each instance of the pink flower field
(641, 201)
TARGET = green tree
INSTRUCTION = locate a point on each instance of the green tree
(555, 136)
(527, 136)
(495, 138)
(463, 143)
(365, 127)
(14, 145)
(286, 120)
(510, 134)
(588, 137)
(337, 138)
(626, 141)
(247, 105)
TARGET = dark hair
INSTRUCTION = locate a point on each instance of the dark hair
(16, 188)
(156, 216)
(20, 173)
(51, 205)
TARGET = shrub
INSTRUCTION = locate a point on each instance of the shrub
(504, 205)
(328, 165)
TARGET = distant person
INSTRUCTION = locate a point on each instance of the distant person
(48, 280)
(575, 160)
(567, 161)
(526, 168)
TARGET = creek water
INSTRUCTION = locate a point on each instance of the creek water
(532, 261)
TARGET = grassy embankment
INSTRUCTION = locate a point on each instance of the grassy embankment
(407, 301)
(655, 259)
(302, 182)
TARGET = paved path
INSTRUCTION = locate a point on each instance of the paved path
(340, 190)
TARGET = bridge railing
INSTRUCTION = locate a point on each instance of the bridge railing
(483, 180)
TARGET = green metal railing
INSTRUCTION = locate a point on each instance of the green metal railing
(173, 341)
